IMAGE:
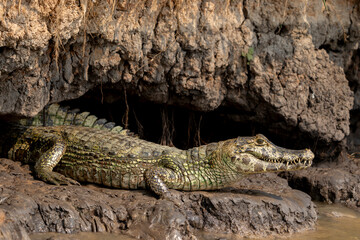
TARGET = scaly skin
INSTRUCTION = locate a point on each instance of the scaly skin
(110, 158)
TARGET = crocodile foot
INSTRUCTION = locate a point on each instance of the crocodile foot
(173, 196)
(55, 178)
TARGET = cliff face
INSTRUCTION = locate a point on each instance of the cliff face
(269, 58)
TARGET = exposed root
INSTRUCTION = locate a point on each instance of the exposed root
(194, 126)
(102, 93)
(140, 127)
(125, 119)
(328, 7)
(197, 138)
(354, 156)
(168, 128)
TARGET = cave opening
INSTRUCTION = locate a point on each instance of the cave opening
(181, 127)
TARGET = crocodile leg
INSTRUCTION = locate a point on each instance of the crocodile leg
(157, 177)
(49, 159)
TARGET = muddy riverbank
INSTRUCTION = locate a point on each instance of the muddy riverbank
(336, 181)
(335, 222)
(261, 205)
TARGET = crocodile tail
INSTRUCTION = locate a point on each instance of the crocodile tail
(56, 115)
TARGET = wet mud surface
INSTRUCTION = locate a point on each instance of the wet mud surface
(335, 181)
(335, 222)
(261, 205)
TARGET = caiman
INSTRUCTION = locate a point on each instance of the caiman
(67, 147)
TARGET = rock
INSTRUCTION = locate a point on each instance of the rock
(332, 182)
(274, 63)
(260, 205)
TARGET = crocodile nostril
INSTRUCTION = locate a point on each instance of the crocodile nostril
(246, 160)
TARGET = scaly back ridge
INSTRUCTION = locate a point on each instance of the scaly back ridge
(56, 115)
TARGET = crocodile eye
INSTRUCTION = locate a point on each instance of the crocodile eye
(260, 141)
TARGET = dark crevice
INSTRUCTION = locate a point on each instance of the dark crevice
(329, 48)
(281, 30)
(353, 71)
(2, 49)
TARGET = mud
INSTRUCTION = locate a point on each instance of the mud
(261, 205)
(333, 182)
(335, 222)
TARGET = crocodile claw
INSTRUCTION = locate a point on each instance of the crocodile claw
(56, 178)
(173, 196)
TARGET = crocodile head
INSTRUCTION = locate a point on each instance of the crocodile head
(257, 154)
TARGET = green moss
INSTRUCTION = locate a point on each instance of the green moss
(249, 55)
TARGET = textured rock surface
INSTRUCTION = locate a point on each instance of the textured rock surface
(272, 61)
(332, 182)
(260, 205)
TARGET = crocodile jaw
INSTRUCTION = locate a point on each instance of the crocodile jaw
(248, 163)
(257, 155)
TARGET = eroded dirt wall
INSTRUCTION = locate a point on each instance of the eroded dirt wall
(274, 59)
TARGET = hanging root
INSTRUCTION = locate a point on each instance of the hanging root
(168, 128)
(125, 119)
(140, 127)
(194, 136)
